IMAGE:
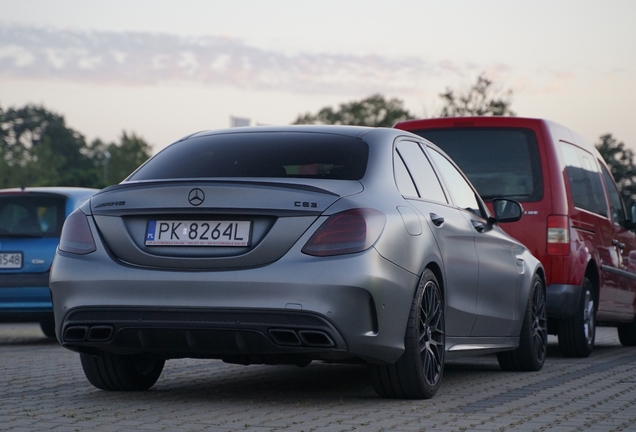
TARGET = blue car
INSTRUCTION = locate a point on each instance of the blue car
(31, 221)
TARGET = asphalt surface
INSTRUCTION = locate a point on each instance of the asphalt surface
(42, 387)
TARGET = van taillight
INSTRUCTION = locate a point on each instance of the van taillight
(558, 235)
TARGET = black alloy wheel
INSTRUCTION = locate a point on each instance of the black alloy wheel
(533, 340)
(418, 373)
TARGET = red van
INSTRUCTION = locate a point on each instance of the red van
(574, 220)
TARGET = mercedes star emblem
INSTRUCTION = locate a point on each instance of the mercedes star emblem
(196, 197)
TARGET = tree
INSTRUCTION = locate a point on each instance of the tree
(372, 111)
(621, 163)
(38, 149)
(482, 99)
(126, 156)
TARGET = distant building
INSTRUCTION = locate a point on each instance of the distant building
(239, 121)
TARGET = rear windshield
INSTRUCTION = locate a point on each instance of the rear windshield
(31, 215)
(272, 154)
(500, 162)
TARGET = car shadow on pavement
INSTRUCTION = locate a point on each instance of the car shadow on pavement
(212, 380)
(30, 342)
(23, 335)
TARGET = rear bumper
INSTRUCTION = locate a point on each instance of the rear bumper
(352, 306)
(25, 297)
(563, 300)
(237, 335)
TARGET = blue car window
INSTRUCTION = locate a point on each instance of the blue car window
(31, 215)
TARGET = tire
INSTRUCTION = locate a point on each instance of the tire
(627, 334)
(48, 328)
(576, 334)
(418, 373)
(533, 340)
(108, 371)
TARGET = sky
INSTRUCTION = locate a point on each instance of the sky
(164, 69)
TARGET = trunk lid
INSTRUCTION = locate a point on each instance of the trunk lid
(273, 213)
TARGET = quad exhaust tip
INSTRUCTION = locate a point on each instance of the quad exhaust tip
(97, 333)
(310, 338)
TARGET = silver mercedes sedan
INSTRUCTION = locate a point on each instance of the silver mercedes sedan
(287, 245)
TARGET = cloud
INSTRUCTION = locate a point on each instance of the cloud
(545, 81)
(134, 58)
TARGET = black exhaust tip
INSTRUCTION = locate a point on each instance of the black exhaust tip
(100, 333)
(315, 338)
(285, 337)
(75, 334)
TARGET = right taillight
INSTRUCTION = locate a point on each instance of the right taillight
(558, 235)
(76, 235)
(346, 232)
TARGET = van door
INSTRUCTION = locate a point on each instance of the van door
(625, 243)
(592, 227)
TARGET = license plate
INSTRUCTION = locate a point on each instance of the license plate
(12, 260)
(198, 233)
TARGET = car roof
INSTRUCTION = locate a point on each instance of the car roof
(354, 131)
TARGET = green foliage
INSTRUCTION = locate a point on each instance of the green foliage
(372, 111)
(482, 99)
(126, 156)
(38, 149)
(621, 163)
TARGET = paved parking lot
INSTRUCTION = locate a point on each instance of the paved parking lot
(43, 388)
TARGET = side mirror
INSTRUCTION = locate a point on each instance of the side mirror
(507, 210)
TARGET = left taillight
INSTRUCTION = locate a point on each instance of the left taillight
(346, 232)
(76, 235)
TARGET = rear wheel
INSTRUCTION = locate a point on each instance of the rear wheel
(533, 340)
(418, 373)
(48, 328)
(109, 371)
(627, 334)
(576, 335)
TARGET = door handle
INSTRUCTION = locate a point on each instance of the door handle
(478, 226)
(437, 220)
(620, 245)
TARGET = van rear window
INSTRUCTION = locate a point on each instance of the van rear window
(499, 162)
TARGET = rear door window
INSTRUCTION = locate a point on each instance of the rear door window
(421, 173)
(31, 215)
(585, 179)
(403, 178)
(499, 162)
(463, 195)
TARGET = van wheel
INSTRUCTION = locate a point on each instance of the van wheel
(576, 335)
(627, 334)
(418, 373)
(108, 371)
(533, 340)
